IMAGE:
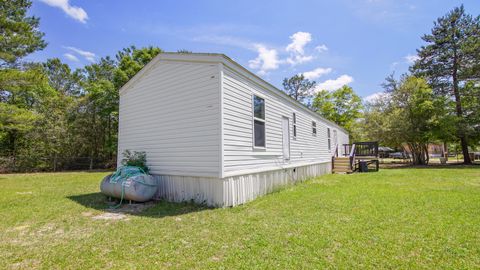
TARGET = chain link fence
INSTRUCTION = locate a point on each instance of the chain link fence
(9, 164)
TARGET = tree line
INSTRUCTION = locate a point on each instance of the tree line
(438, 100)
(53, 117)
(56, 118)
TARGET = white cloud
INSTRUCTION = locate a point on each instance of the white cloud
(266, 60)
(374, 96)
(90, 56)
(299, 59)
(71, 57)
(316, 73)
(75, 12)
(299, 40)
(411, 58)
(321, 48)
(331, 85)
(272, 58)
(297, 48)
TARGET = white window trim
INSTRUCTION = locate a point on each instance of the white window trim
(314, 127)
(259, 119)
(294, 125)
(329, 139)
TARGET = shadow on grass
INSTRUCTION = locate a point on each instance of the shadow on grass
(153, 209)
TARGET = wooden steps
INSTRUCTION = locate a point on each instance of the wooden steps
(341, 165)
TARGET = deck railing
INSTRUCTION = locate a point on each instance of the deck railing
(362, 149)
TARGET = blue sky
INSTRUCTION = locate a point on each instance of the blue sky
(340, 42)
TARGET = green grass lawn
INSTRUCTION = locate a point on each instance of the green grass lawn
(397, 218)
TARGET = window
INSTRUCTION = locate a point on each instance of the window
(294, 117)
(329, 140)
(314, 128)
(258, 121)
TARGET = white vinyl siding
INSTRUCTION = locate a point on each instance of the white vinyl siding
(237, 128)
(173, 114)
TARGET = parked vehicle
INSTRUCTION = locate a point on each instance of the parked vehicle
(398, 155)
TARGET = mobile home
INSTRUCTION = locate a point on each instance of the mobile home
(215, 133)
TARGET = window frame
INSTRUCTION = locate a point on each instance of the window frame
(294, 125)
(314, 128)
(329, 139)
(255, 147)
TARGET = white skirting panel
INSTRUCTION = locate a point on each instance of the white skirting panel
(243, 188)
(201, 190)
(234, 190)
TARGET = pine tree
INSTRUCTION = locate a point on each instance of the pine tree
(449, 60)
(298, 87)
(19, 34)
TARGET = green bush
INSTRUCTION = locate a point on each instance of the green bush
(137, 158)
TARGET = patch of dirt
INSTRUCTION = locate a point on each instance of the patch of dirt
(110, 216)
(134, 208)
(122, 212)
(26, 264)
(24, 193)
(21, 228)
(87, 214)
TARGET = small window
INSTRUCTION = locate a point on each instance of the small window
(329, 140)
(258, 122)
(294, 117)
(314, 128)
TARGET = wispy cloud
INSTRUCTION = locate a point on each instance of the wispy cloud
(321, 48)
(266, 60)
(383, 11)
(293, 54)
(70, 57)
(89, 56)
(226, 40)
(411, 58)
(373, 97)
(77, 13)
(316, 73)
(297, 48)
(269, 58)
(334, 84)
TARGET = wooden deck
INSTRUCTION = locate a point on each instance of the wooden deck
(357, 158)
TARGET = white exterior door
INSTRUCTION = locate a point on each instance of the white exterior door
(286, 138)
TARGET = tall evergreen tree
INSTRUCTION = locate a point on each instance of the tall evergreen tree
(19, 34)
(22, 85)
(298, 87)
(450, 59)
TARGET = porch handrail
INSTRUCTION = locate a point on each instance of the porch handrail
(352, 157)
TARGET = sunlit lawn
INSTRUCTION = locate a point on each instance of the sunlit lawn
(397, 218)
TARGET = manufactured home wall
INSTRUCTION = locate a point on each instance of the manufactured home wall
(239, 154)
(172, 113)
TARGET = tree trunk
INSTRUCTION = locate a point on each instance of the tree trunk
(419, 153)
(55, 162)
(458, 107)
(445, 151)
(427, 157)
(13, 142)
